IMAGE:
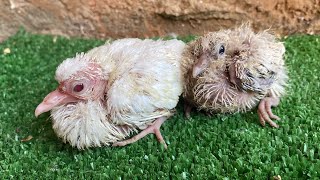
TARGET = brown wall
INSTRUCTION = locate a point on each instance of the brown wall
(146, 18)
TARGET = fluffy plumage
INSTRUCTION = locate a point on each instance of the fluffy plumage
(235, 70)
(116, 89)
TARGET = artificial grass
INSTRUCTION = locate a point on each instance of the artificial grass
(221, 147)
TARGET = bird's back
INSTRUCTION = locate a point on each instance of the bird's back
(146, 81)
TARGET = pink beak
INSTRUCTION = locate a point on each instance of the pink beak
(201, 65)
(53, 99)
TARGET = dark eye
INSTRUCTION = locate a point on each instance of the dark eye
(78, 88)
(221, 50)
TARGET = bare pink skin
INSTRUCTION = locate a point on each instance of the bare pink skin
(153, 129)
(65, 94)
(265, 112)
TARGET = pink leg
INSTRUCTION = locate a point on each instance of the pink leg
(187, 110)
(154, 128)
(265, 112)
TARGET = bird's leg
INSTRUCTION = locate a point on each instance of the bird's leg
(208, 113)
(265, 112)
(187, 110)
(154, 128)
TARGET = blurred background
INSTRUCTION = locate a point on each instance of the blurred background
(150, 18)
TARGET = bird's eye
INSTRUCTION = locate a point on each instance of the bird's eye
(78, 88)
(221, 50)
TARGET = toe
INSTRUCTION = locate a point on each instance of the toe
(272, 116)
(269, 111)
(187, 114)
(160, 137)
(262, 121)
(266, 118)
(273, 124)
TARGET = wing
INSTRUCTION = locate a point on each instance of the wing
(260, 60)
(146, 83)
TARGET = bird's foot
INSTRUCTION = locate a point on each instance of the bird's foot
(187, 110)
(154, 128)
(265, 112)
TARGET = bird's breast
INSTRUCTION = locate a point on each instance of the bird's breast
(218, 94)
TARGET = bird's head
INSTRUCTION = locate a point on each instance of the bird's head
(247, 58)
(209, 49)
(80, 79)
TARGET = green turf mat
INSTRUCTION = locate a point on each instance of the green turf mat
(221, 147)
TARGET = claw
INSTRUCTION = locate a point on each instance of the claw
(154, 128)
